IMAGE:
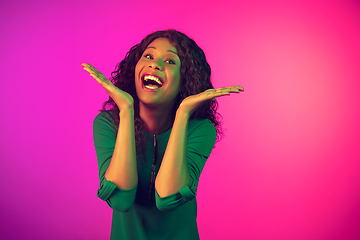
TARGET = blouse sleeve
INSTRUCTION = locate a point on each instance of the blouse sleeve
(201, 140)
(104, 140)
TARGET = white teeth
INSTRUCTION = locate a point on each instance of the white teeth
(152, 87)
(153, 78)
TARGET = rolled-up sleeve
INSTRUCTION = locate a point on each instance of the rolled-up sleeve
(104, 140)
(201, 140)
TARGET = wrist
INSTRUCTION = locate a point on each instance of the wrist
(183, 114)
(124, 112)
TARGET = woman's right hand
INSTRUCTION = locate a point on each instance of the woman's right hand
(122, 99)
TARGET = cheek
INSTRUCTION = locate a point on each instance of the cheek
(139, 65)
(137, 75)
(138, 69)
(178, 78)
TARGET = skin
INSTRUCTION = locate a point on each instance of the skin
(158, 114)
(159, 58)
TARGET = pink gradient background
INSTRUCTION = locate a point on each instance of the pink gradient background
(289, 165)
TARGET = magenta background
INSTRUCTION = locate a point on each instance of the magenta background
(289, 165)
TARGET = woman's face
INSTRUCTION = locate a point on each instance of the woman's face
(157, 74)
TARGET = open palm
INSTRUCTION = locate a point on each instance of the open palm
(193, 102)
(121, 98)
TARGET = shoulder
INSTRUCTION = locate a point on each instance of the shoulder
(103, 115)
(201, 136)
(206, 125)
(104, 119)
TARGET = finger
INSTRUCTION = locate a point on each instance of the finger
(236, 87)
(214, 94)
(232, 89)
(223, 93)
(216, 91)
(89, 68)
(96, 78)
(209, 91)
(94, 70)
(223, 90)
(102, 80)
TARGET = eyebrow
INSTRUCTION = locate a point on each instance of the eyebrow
(167, 50)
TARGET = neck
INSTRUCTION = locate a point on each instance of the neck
(156, 120)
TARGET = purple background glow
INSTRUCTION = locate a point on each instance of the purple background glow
(288, 167)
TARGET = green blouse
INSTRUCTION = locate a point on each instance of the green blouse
(140, 213)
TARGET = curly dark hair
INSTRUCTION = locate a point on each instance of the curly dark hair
(195, 77)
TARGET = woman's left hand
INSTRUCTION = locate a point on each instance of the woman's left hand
(193, 102)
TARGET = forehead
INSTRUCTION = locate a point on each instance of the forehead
(162, 44)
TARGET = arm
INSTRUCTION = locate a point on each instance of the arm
(105, 141)
(201, 137)
(122, 170)
(174, 172)
(121, 166)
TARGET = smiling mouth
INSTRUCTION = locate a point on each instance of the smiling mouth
(151, 82)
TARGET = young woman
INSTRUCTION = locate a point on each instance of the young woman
(154, 135)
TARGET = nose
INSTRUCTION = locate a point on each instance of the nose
(157, 64)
